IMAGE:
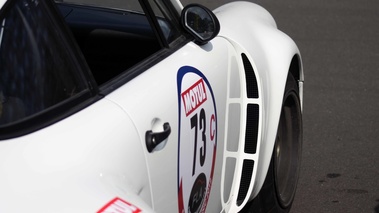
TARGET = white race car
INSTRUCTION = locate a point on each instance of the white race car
(146, 106)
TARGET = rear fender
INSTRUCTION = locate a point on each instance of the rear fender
(270, 52)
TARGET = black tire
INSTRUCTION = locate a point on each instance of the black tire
(279, 188)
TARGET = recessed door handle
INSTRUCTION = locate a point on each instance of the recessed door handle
(153, 139)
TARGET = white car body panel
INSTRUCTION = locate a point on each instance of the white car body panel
(272, 52)
(99, 154)
(81, 169)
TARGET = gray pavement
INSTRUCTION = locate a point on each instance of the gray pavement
(340, 49)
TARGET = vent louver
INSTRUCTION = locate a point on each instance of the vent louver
(251, 134)
(251, 80)
(247, 172)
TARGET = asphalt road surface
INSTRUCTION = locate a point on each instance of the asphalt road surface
(339, 43)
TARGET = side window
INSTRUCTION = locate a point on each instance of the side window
(114, 36)
(111, 40)
(36, 70)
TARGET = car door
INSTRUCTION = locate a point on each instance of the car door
(187, 91)
(178, 107)
(63, 147)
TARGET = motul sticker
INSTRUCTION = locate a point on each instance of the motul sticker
(118, 205)
(197, 140)
(194, 96)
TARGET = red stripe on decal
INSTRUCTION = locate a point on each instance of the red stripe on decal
(180, 197)
(119, 205)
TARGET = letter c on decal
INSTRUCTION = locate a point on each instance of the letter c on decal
(212, 126)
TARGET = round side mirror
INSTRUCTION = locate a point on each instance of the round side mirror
(200, 22)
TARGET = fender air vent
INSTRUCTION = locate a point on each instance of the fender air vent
(247, 172)
(251, 80)
(243, 136)
(251, 134)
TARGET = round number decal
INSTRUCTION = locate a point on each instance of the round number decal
(197, 140)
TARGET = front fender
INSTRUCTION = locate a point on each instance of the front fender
(270, 51)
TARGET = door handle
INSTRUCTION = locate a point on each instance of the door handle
(153, 139)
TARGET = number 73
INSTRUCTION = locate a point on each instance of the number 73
(199, 125)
